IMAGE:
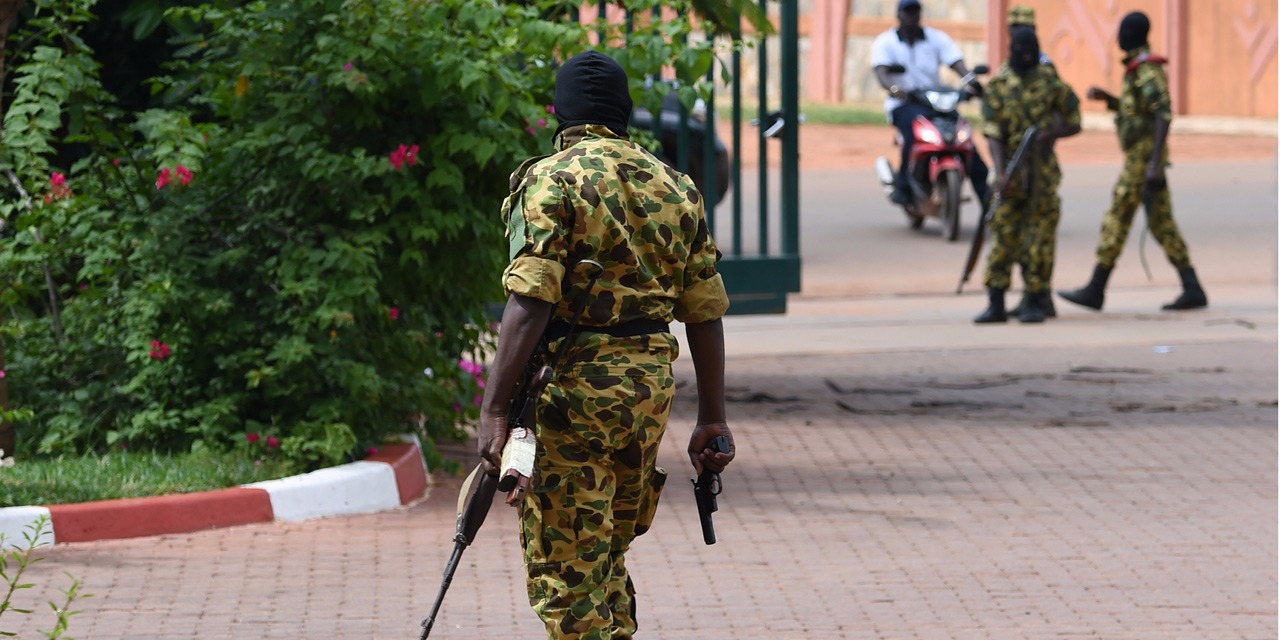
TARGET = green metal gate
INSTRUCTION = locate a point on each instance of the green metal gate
(761, 248)
(757, 230)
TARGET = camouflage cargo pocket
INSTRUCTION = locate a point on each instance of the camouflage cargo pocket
(649, 500)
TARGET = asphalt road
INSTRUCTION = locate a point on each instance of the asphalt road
(855, 243)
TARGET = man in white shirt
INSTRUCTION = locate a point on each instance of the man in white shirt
(921, 51)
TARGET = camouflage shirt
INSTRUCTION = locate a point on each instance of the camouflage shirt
(1144, 98)
(606, 198)
(1013, 103)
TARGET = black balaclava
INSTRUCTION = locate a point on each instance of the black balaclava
(1133, 31)
(1024, 49)
(592, 88)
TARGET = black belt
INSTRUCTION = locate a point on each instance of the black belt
(630, 329)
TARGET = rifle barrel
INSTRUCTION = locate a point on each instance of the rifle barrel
(458, 547)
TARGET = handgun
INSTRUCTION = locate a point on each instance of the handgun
(705, 489)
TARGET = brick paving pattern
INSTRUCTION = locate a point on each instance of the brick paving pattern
(991, 493)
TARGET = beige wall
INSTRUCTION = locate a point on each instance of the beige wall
(1223, 52)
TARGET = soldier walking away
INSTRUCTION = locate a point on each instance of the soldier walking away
(600, 421)
(1143, 114)
(1021, 15)
(1022, 95)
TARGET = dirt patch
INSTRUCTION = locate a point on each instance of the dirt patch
(824, 146)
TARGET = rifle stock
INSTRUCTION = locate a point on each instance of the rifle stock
(975, 249)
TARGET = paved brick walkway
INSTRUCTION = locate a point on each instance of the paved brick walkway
(1094, 492)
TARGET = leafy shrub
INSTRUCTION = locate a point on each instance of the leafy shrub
(302, 240)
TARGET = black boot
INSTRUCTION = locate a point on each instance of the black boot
(1032, 311)
(995, 312)
(1192, 295)
(1091, 295)
(1046, 305)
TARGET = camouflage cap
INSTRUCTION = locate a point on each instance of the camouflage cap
(1022, 14)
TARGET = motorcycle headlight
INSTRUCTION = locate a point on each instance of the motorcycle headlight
(943, 101)
(964, 133)
(929, 136)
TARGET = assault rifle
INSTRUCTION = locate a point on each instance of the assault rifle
(705, 490)
(518, 455)
(975, 249)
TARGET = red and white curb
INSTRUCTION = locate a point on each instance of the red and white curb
(395, 476)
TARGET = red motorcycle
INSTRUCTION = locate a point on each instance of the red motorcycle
(936, 168)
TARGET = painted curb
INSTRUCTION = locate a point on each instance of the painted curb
(396, 475)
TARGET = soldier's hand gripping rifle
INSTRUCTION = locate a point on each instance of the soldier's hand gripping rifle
(705, 490)
(517, 455)
(521, 449)
(975, 249)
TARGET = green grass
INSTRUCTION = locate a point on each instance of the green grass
(845, 113)
(128, 475)
(842, 114)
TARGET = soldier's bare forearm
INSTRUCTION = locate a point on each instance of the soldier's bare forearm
(523, 321)
(1161, 136)
(706, 344)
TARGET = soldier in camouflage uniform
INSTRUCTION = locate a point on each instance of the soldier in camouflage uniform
(1143, 114)
(601, 420)
(1023, 16)
(1021, 95)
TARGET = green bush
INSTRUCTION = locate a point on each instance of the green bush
(301, 242)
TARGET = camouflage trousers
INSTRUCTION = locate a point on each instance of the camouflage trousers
(596, 483)
(1125, 200)
(1024, 231)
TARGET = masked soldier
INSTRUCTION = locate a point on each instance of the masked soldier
(1021, 95)
(1143, 114)
(600, 422)
(1023, 16)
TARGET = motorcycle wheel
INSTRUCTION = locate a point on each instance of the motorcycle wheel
(951, 185)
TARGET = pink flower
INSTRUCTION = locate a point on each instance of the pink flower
(551, 109)
(394, 312)
(473, 368)
(115, 161)
(59, 190)
(404, 154)
(346, 67)
(1, 374)
(163, 180)
(160, 350)
(373, 451)
(531, 130)
(184, 175)
(272, 442)
(253, 438)
(542, 122)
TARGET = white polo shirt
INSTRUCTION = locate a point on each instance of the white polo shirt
(922, 60)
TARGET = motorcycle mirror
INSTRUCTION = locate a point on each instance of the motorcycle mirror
(981, 70)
